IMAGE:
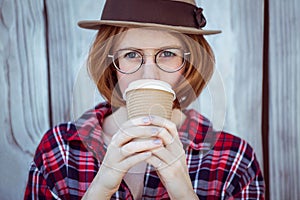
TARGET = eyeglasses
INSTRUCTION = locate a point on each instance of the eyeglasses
(128, 61)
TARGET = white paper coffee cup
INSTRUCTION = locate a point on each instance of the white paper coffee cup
(147, 97)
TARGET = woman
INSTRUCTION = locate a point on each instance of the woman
(102, 156)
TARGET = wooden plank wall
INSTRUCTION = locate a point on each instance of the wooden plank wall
(41, 52)
(67, 46)
(24, 91)
(238, 53)
(284, 76)
(43, 80)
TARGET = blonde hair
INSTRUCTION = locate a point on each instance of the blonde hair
(197, 71)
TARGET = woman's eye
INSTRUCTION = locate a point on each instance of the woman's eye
(131, 55)
(167, 54)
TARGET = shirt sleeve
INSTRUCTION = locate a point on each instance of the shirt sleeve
(251, 182)
(47, 174)
(37, 187)
(253, 190)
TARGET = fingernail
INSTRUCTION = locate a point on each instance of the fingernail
(146, 120)
(157, 141)
(154, 131)
(151, 117)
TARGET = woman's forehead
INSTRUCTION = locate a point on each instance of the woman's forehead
(147, 38)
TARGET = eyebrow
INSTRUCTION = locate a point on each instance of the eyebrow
(161, 48)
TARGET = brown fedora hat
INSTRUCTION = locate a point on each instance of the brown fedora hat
(178, 15)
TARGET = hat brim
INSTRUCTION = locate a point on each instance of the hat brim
(95, 25)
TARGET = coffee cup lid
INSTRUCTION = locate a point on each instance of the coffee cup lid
(149, 84)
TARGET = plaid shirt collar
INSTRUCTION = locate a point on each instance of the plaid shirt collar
(89, 130)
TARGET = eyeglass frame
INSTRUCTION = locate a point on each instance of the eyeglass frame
(155, 56)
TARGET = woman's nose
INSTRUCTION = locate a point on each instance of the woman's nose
(150, 70)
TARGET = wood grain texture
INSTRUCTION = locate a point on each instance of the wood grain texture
(24, 91)
(68, 46)
(248, 28)
(62, 57)
(284, 99)
(238, 51)
(25, 114)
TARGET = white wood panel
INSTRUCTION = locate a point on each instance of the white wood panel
(238, 51)
(284, 99)
(68, 46)
(24, 78)
(24, 91)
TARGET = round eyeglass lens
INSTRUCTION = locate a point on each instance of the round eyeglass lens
(127, 60)
(170, 60)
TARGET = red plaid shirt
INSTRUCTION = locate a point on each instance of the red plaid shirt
(221, 166)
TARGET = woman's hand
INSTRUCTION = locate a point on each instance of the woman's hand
(170, 161)
(125, 150)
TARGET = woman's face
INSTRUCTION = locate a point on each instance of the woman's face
(149, 42)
